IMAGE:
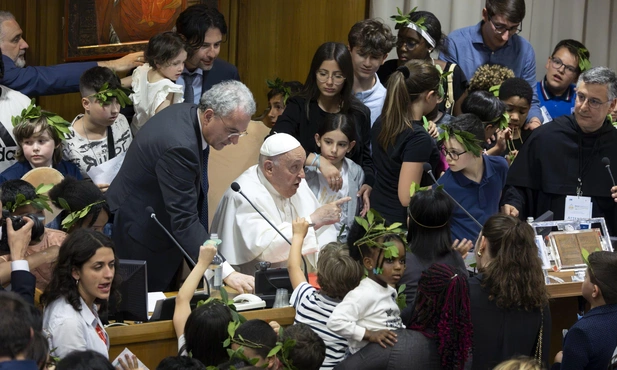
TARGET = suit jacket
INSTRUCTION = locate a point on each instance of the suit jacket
(44, 80)
(22, 283)
(221, 71)
(162, 169)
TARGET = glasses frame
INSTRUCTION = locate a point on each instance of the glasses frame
(330, 76)
(511, 31)
(402, 42)
(568, 68)
(593, 104)
(233, 134)
(454, 155)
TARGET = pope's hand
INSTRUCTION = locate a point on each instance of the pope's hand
(240, 282)
(328, 214)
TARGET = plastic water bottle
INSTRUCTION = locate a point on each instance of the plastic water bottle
(217, 280)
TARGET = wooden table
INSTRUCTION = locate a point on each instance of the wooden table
(152, 342)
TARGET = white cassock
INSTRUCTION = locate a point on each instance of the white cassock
(248, 238)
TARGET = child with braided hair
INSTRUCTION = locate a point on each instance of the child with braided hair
(442, 313)
(369, 313)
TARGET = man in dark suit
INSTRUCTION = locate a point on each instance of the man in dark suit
(204, 29)
(165, 168)
(46, 80)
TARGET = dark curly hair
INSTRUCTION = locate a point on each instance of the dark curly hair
(516, 87)
(443, 312)
(514, 278)
(75, 251)
(78, 195)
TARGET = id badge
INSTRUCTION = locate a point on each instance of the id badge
(577, 208)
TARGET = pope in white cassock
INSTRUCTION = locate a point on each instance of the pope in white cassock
(277, 188)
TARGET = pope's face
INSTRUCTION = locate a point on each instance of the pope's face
(286, 171)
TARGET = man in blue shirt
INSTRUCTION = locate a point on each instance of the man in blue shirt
(556, 91)
(495, 40)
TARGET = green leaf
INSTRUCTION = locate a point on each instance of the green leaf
(224, 295)
(275, 350)
(370, 217)
(585, 255)
(401, 288)
(42, 189)
(362, 222)
(396, 225)
(426, 124)
(391, 251)
(63, 204)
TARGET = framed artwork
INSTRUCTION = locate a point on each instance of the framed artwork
(104, 29)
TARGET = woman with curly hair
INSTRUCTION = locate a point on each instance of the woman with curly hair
(509, 301)
(84, 277)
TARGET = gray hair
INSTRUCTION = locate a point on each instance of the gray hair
(226, 97)
(274, 159)
(4, 16)
(601, 76)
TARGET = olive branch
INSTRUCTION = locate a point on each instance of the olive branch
(467, 139)
(374, 225)
(105, 94)
(75, 216)
(41, 201)
(583, 62)
(402, 20)
(279, 84)
(59, 124)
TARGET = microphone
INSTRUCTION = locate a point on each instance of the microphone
(428, 169)
(236, 187)
(150, 210)
(607, 163)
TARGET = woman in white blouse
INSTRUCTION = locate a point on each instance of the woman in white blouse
(82, 279)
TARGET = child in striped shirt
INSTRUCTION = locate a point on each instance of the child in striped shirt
(337, 274)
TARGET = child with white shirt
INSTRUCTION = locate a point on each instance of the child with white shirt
(369, 313)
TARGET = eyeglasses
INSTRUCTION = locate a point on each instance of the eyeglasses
(453, 155)
(557, 64)
(409, 44)
(324, 76)
(591, 102)
(232, 134)
(500, 29)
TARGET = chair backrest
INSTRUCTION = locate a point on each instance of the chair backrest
(224, 166)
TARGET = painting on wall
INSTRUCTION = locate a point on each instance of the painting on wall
(102, 29)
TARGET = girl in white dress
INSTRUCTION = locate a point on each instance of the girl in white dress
(154, 82)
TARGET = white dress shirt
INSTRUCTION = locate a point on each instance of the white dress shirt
(69, 330)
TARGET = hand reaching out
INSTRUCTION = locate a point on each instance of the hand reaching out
(300, 227)
(328, 214)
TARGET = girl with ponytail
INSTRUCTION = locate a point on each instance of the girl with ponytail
(509, 299)
(399, 141)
